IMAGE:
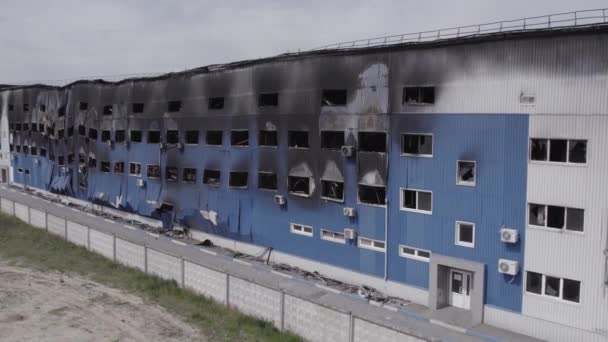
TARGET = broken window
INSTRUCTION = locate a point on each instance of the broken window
(107, 110)
(18, 127)
(153, 137)
(26, 107)
(333, 97)
(18, 148)
(418, 95)
(172, 136)
(577, 151)
(192, 137)
(51, 156)
(43, 108)
(82, 130)
(174, 106)
(332, 190)
(82, 158)
(465, 234)
(466, 173)
(417, 144)
(267, 181)
(375, 195)
(332, 140)
(119, 167)
(41, 128)
(558, 150)
(268, 138)
(153, 171)
(33, 150)
(71, 158)
(92, 134)
(211, 177)
(556, 216)
(189, 175)
(214, 138)
(135, 136)
(268, 100)
(83, 105)
(238, 179)
(26, 149)
(137, 107)
(42, 152)
(216, 103)
(60, 134)
(298, 139)
(34, 127)
(11, 107)
(571, 290)
(417, 200)
(61, 160)
(104, 166)
(135, 169)
(61, 111)
(11, 147)
(120, 136)
(105, 136)
(70, 131)
(534, 282)
(239, 138)
(171, 173)
(92, 161)
(298, 185)
(372, 141)
(26, 126)
(552, 286)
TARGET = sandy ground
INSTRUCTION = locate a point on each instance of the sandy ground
(40, 306)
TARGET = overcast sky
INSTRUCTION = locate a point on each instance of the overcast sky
(64, 39)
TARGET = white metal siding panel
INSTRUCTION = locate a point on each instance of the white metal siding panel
(7, 206)
(314, 322)
(78, 234)
(255, 300)
(205, 281)
(55, 225)
(37, 218)
(539, 328)
(101, 243)
(566, 254)
(130, 254)
(365, 331)
(21, 212)
(164, 266)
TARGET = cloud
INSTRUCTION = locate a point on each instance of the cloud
(67, 38)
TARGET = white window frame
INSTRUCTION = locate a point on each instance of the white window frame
(567, 162)
(420, 155)
(402, 205)
(240, 130)
(370, 204)
(414, 256)
(457, 235)
(301, 230)
(339, 200)
(135, 174)
(266, 189)
(554, 229)
(109, 168)
(465, 183)
(148, 177)
(333, 237)
(370, 244)
(561, 288)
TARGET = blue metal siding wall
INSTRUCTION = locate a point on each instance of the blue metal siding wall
(499, 145)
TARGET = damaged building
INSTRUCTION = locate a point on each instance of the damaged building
(465, 174)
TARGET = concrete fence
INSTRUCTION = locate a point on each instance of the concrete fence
(312, 321)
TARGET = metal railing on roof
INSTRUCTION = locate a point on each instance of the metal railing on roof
(552, 21)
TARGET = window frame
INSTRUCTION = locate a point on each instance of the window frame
(219, 180)
(276, 131)
(339, 200)
(542, 294)
(183, 178)
(371, 245)
(148, 174)
(416, 255)
(114, 164)
(419, 102)
(101, 166)
(214, 131)
(419, 155)
(186, 135)
(237, 131)
(420, 211)
(268, 173)
(332, 238)
(548, 155)
(135, 174)
(302, 230)
(546, 227)
(372, 204)
(465, 183)
(457, 240)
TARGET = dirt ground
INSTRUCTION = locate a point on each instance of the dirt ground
(41, 306)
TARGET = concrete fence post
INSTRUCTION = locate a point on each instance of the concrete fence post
(145, 258)
(29, 216)
(114, 247)
(282, 310)
(88, 239)
(183, 280)
(46, 221)
(13, 208)
(65, 224)
(351, 327)
(227, 290)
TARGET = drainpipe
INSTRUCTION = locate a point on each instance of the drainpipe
(386, 236)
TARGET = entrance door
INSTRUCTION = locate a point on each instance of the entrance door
(460, 289)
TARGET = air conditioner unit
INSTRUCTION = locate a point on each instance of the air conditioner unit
(140, 182)
(509, 235)
(349, 233)
(350, 212)
(347, 151)
(279, 199)
(510, 267)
